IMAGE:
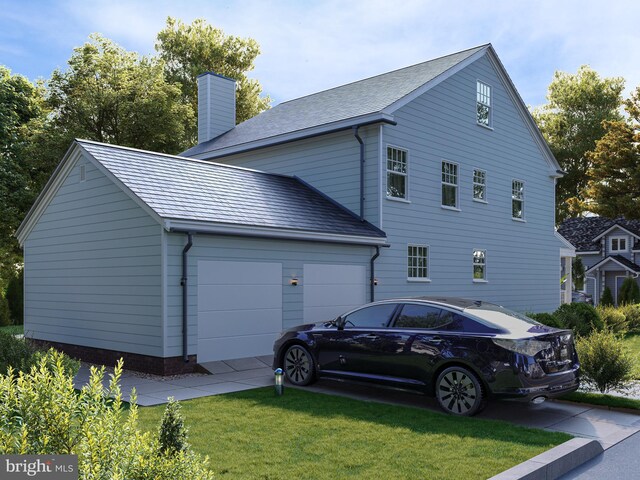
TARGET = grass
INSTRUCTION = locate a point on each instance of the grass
(254, 434)
(632, 342)
(13, 329)
(603, 400)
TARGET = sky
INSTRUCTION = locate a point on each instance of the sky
(309, 46)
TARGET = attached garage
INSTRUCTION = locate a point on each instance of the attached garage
(167, 261)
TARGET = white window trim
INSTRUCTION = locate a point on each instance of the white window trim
(406, 175)
(473, 184)
(479, 280)
(524, 200)
(83, 173)
(426, 279)
(456, 207)
(619, 237)
(490, 125)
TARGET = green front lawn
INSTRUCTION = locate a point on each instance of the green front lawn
(632, 342)
(13, 329)
(612, 401)
(254, 434)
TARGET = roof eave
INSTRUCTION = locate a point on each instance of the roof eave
(215, 228)
(346, 124)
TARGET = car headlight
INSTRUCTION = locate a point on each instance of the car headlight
(525, 347)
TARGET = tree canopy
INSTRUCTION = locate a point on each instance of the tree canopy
(614, 177)
(189, 50)
(572, 123)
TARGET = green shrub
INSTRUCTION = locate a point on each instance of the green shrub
(14, 352)
(614, 319)
(546, 319)
(632, 313)
(604, 361)
(607, 298)
(41, 413)
(172, 434)
(629, 292)
(15, 297)
(582, 318)
(5, 313)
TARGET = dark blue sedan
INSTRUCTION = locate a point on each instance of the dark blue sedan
(462, 351)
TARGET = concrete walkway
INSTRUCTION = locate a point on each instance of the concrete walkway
(608, 427)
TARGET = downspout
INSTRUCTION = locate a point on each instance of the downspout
(183, 282)
(372, 271)
(355, 133)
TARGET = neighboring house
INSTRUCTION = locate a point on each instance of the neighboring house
(428, 180)
(609, 249)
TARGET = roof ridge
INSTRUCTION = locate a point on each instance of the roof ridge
(179, 157)
(383, 73)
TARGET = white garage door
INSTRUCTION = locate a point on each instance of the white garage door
(239, 309)
(330, 290)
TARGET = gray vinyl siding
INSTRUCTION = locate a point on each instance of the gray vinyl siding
(219, 115)
(522, 257)
(330, 163)
(92, 269)
(620, 234)
(293, 255)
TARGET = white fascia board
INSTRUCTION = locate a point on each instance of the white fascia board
(269, 232)
(555, 170)
(391, 109)
(49, 191)
(567, 244)
(605, 261)
(297, 135)
(613, 227)
(596, 252)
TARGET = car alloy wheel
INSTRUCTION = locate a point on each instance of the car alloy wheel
(459, 392)
(299, 366)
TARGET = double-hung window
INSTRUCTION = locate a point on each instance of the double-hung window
(449, 185)
(480, 185)
(418, 262)
(618, 244)
(397, 173)
(479, 265)
(517, 199)
(483, 104)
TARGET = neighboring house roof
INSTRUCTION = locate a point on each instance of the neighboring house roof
(585, 233)
(620, 260)
(368, 101)
(195, 195)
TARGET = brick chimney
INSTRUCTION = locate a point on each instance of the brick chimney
(216, 105)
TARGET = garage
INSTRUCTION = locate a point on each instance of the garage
(239, 309)
(330, 290)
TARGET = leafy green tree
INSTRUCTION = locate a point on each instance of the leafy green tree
(614, 177)
(21, 105)
(15, 297)
(577, 273)
(572, 124)
(607, 298)
(189, 50)
(629, 292)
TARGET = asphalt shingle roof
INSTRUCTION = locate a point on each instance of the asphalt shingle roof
(371, 95)
(582, 231)
(187, 189)
(634, 267)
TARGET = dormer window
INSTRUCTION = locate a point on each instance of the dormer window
(617, 244)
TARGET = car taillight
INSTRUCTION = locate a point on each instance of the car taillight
(525, 347)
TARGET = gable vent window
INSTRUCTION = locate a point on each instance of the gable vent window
(517, 200)
(396, 173)
(483, 104)
(449, 185)
(83, 173)
(618, 244)
(480, 185)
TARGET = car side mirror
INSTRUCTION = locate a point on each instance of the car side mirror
(340, 323)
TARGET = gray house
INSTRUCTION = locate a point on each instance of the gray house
(428, 180)
(609, 249)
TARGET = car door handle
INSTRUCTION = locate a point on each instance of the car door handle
(435, 340)
(371, 335)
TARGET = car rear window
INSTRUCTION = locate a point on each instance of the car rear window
(419, 316)
(500, 317)
(460, 323)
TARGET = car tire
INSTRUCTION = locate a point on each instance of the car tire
(299, 366)
(459, 392)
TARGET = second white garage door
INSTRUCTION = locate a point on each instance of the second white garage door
(330, 290)
(239, 309)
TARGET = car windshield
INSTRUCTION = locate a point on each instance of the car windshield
(500, 316)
